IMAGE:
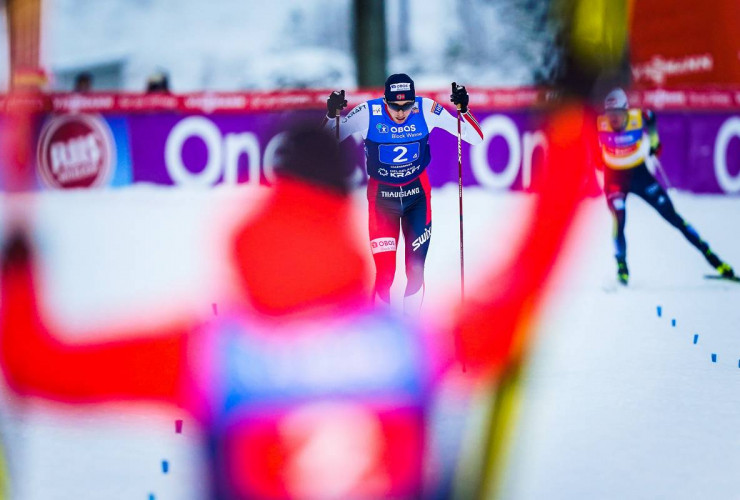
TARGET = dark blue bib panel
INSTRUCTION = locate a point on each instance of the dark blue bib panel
(396, 153)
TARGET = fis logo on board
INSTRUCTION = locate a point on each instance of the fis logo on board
(382, 128)
(437, 108)
(377, 110)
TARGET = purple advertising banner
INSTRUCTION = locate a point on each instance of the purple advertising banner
(205, 150)
(701, 151)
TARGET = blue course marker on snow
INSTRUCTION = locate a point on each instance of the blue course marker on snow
(151, 496)
(165, 466)
(714, 358)
(673, 322)
(660, 311)
(696, 338)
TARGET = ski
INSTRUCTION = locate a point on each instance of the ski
(734, 279)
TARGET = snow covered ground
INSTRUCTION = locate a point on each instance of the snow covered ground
(618, 403)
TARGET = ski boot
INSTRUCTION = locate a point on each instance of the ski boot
(723, 268)
(623, 274)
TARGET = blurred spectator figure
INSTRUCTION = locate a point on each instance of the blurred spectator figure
(305, 365)
(159, 82)
(302, 390)
(83, 82)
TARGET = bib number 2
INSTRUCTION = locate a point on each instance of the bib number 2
(401, 155)
(397, 154)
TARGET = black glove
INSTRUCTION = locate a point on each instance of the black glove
(649, 117)
(459, 97)
(336, 103)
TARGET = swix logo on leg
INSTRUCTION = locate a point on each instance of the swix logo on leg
(383, 245)
(418, 242)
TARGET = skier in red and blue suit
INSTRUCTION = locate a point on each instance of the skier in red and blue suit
(396, 130)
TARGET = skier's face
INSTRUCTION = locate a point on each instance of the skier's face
(399, 110)
(617, 118)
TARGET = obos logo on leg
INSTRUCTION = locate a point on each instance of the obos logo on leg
(379, 245)
(75, 151)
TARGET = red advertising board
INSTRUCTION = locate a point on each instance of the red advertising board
(524, 98)
(685, 43)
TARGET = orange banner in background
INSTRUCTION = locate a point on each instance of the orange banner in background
(682, 42)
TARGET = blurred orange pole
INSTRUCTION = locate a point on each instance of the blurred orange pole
(16, 143)
(24, 28)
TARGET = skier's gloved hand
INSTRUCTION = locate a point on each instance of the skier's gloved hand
(459, 97)
(335, 103)
(656, 149)
(649, 116)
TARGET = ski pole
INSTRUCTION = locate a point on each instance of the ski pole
(339, 114)
(458, 347)
(659, 167)
(460, 196)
